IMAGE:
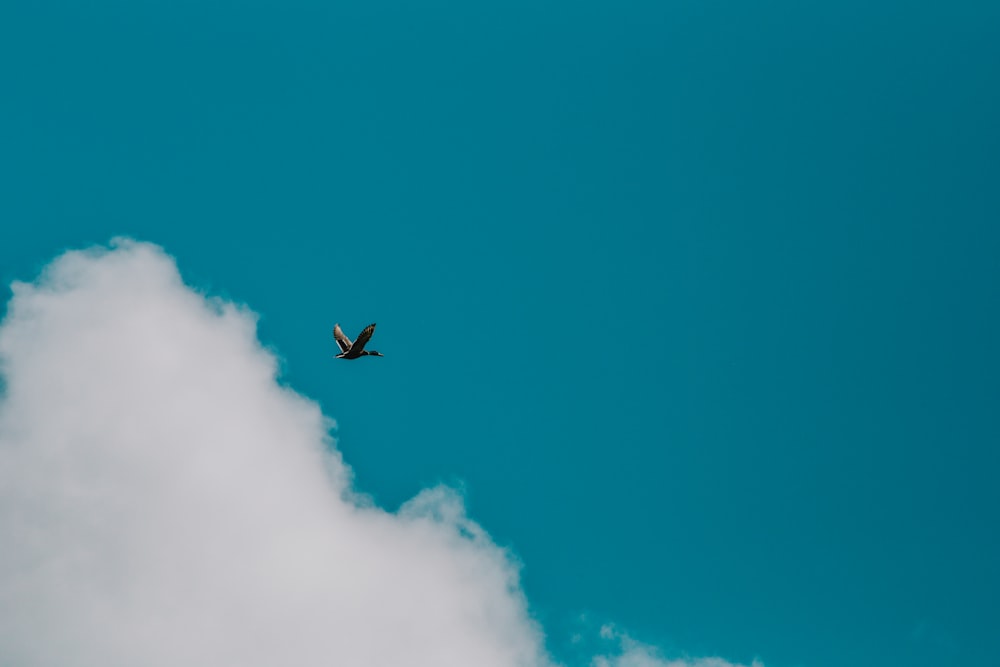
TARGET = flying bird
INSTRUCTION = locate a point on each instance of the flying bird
(349, 350)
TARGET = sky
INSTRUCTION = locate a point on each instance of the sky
(689, 312)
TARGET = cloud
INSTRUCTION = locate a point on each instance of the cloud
(165, 501)
(632, 653)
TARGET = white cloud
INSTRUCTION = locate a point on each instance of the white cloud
(632, 653)
(164, 501)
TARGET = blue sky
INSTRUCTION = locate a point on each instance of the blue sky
(698, 300)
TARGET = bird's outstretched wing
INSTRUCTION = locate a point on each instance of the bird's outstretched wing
(363, 338)
(343, 341)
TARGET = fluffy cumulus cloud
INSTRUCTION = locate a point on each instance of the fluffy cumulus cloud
(164, 501)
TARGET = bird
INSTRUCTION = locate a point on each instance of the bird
(349, 350)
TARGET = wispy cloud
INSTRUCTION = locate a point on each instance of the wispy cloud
(164, 501)
(632, 653)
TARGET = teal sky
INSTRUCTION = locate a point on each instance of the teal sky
(699, 300)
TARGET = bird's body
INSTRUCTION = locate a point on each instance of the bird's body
(349, 350)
